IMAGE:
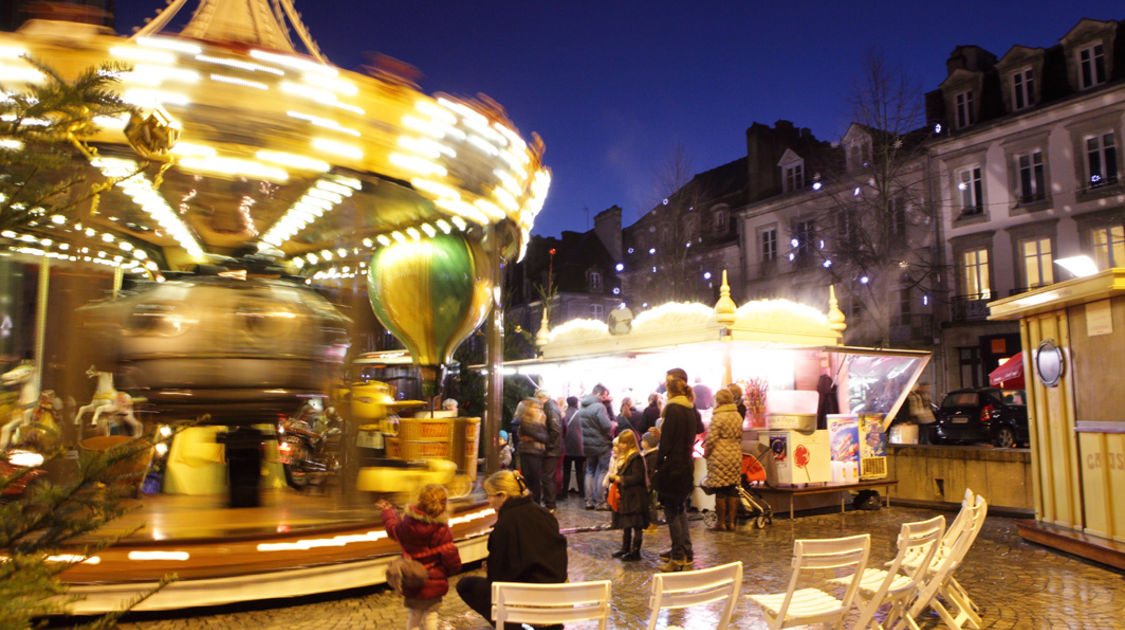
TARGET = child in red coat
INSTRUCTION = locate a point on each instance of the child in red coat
(424, 535)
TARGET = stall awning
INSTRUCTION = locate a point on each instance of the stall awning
(1009, 375)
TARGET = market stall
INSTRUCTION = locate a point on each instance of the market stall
(788, 357)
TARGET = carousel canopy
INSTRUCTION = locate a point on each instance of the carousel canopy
(269, 149)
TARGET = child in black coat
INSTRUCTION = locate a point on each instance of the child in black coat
(632, 514)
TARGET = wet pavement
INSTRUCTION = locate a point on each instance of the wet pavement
(1017, 584)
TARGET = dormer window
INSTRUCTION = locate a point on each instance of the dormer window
(857, 147)
(792, 171)
(794, 177)
(963, 108)
(1091, 65)
(1023, 88)
(722, 220)
(594, 280)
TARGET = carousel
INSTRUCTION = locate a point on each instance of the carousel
(194, 279)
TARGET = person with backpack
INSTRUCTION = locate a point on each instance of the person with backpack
(426, 538)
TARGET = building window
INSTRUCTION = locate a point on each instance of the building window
(1109, 246)
(974, 274)
(845, 226)
(1032, 187)
(905, 306)
(1101, 160)
(896, 216)
(963, 105)
(1023, 89)
(1035, 255)
(722, 221)
(970, 366)
(794, 177)
(768, 242)
(1091, 65)
(594, 279)
(803, 242)
(969, 183)
(597, 311)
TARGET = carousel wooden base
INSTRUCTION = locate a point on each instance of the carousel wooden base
(294, 544)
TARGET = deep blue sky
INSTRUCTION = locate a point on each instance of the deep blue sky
(614, 87)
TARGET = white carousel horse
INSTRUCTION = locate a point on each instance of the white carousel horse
(108, 400)
(22, 375)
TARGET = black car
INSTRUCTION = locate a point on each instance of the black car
(983, 414)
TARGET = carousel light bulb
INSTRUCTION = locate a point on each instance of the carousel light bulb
(298, 263)
(383, 240)
(429, 230)
(368, 242)
(443, 226)
(414, 233)
(341, 252)
(58, 219)
(460, 223)
(398, 236)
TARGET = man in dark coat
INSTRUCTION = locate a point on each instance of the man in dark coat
(554, 447)
(572, 438)
(651, 414)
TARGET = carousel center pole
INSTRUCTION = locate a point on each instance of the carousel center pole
(41, 320)
(494, 358)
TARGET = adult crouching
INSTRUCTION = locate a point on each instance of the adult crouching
(525, 545)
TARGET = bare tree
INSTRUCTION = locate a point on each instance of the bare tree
(676, 215)
(873, 222)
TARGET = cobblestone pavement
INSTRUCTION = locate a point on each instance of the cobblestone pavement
(1018, 584)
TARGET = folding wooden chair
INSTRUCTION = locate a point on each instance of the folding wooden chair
(516, 602)
(939, 580)
(896, 586)
(690, 588)
(802, 606)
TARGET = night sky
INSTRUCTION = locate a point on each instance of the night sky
(615, 87)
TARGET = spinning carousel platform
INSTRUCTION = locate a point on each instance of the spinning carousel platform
(293, 544)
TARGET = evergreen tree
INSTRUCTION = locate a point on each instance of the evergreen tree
(45, 129)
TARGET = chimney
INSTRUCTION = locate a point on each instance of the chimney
(607, 227)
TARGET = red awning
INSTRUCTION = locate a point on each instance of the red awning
(1009, 375)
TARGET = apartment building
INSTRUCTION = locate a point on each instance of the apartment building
(1026, 172)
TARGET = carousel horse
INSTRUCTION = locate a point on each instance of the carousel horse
(108, 400)
(23, 376)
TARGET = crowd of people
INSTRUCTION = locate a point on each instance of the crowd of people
(634, 463)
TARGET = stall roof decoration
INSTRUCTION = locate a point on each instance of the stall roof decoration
(769, 321)
(279, 150)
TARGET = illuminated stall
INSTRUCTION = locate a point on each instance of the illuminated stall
(788, 358)
(198, 244)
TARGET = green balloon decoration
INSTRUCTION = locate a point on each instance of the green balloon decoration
(430, 294)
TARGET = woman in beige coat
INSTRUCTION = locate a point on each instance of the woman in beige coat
(723, 450)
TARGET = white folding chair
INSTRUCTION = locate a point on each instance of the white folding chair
(896, 586)
(938, 580)
(913, 560)
(517, 602)
(802, 606)
(690, 588)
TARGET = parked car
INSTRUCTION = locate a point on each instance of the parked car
(984, 414)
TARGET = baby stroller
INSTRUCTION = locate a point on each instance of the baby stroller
(751, 505)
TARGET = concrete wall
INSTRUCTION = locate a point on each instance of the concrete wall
(940, 474)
